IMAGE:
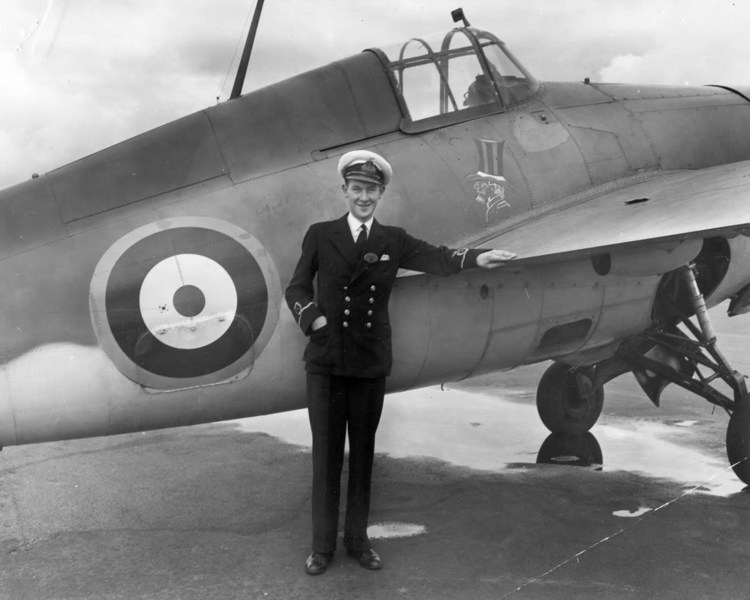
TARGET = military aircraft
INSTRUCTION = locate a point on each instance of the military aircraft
(143, 285)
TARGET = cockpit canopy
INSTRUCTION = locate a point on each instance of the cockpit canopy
(447, 74)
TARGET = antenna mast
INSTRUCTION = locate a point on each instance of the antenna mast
(245, 59)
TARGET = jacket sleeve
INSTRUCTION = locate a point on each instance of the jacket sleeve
(418, 255)
(300, 293)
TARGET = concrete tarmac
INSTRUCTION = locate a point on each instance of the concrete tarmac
(461, 507)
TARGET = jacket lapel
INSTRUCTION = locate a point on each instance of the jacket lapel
(341, 238)
(377, 240)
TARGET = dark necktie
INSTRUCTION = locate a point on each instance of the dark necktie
(361, 238)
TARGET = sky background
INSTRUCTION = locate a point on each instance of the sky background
(79, 75)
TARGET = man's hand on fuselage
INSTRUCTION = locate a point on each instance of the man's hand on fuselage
(494, 258)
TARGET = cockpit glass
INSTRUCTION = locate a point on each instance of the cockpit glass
(514, 85)
(466, 75)
(447, 73)
(419, 78)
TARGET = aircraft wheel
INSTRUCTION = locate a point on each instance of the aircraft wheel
(566, 403)
(738, 443)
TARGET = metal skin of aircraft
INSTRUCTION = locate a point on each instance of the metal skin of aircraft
(143, 285)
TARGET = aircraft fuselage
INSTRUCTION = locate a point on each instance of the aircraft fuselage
(96, 342)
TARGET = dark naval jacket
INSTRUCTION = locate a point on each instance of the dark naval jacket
(353, 289)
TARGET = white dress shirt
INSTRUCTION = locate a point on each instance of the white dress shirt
(355, 225)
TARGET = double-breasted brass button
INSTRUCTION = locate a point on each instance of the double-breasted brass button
(368, 325)
(371, 300)
(345, 324)
(347, 299)
(372, 288)
(346, 311)
(369, 313)
(346, 288)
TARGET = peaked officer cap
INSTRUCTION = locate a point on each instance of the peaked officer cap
(364, 165)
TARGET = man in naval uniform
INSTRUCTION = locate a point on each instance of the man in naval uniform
(348, 355)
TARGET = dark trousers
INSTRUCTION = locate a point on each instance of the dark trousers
(336, 404)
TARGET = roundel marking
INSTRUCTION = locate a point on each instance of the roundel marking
(188, 301)
(185, 302)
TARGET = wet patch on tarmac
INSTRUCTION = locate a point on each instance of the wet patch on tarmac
(390, 530)
(687, 423)
(474, 430)
(632, 513)
(213, 512)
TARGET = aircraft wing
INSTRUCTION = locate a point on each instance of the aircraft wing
(663, 207)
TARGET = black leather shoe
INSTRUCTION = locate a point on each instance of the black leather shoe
(317, 563)
(368, 559)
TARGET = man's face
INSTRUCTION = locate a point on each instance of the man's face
(362, 197)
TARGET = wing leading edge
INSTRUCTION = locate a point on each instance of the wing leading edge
(667, 209)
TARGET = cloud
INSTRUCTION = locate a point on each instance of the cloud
(683, 43)
(78, 76)
(623, 68)
(75, 78)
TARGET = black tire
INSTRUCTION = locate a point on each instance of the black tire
(561, 406)
(738, 443)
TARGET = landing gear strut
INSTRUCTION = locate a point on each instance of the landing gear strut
(569, 399)
(671, 356)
